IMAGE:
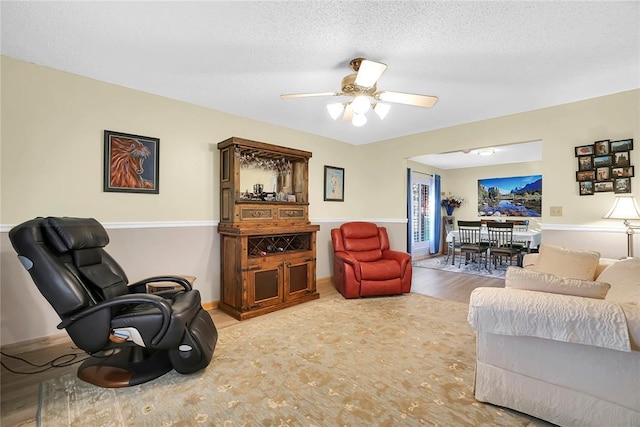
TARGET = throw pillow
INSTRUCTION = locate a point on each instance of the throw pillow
(521, 278)
(624, 277)
(564, 262)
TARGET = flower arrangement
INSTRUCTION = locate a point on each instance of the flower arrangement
(450, 202)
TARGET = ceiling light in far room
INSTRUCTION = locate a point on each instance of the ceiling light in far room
(486, 151)
(335, 110)
(381, 110)
(359, 120)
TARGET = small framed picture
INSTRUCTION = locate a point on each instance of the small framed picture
(603, 187)
(601, 147)
(601, 161)
(131, 163)
(622, 185)
(621, 158)
(585, 163)
(584, 150)
(622, 172)
(586, 188)
(622, 145)
(603, 173)
(333, 184)
(585, 175)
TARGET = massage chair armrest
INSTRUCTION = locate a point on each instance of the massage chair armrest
(155, 300)
(141, 286)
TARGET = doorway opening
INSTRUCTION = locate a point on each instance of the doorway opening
(421, 213)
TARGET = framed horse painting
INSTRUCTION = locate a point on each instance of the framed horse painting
(131, 163)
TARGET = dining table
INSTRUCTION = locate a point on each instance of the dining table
(532, 238)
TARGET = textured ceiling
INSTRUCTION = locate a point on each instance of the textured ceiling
(482, 59)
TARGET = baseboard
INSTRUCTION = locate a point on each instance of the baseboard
(212, 305)
(324, 281)
(22, 347)
(63, 338)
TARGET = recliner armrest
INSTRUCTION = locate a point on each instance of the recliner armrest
(348, 259)
(401, 258)
(345, 257)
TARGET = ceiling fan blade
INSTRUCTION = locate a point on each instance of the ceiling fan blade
(369, 73)
(307, 95)
(407, 98)
(348, 113)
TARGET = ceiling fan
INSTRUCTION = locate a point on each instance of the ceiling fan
(361, 86)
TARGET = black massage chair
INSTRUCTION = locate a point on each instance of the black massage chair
(132, 336)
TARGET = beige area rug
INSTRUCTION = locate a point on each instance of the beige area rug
(392, 361)
(440, 263)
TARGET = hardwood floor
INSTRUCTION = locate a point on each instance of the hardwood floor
(19, 396)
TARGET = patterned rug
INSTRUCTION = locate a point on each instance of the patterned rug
(403, 360)
(440, 263)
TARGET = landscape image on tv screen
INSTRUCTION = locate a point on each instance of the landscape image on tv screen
(512, 196)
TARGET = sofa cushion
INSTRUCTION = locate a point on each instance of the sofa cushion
(570, 263)
(624, 278)
(522, 278)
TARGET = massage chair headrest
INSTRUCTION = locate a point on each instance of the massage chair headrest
(70, 234)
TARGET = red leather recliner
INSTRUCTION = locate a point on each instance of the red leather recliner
(363, 264)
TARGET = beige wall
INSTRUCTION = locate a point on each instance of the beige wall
(52, 150)
(51, 164)
(464, 183)
(560, 128)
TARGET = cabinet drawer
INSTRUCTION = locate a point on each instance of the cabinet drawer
(292, 213)
(256, 214)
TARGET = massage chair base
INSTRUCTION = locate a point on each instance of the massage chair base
(126, 367)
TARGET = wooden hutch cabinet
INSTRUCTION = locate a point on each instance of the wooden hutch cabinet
(268, 246)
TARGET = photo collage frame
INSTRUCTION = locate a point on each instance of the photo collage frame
(604, 166)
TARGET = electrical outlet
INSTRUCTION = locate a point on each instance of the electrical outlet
(555, 210)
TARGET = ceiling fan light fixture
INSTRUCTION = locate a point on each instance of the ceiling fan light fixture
(360, 104)
(359, 120)
(362, 88)
(368, 72)
(381, 109)
(335, 110)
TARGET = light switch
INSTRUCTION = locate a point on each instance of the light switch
(555, 210)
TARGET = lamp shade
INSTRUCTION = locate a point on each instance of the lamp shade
(381, 109)
(624, 207)
(360, 104)
(335, 110)
(359, 120)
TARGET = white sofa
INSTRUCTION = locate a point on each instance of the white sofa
(542, 350)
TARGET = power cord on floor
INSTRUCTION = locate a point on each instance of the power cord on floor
(59, 362)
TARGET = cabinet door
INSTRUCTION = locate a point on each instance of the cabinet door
(299, 278)
(265, 285)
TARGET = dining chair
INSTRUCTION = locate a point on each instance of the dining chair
(501, 243)
(521, 225)
(453, 245)
(470, 243)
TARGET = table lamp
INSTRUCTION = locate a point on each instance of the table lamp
(625, 208)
